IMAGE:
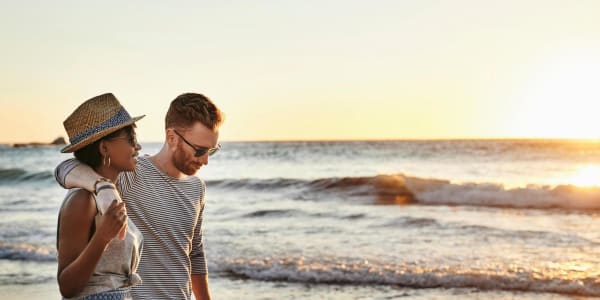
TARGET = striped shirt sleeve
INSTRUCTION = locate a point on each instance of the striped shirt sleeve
(125, 180)
(63, 169)
(197, 257)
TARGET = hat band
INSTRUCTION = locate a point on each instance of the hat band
(119, 118)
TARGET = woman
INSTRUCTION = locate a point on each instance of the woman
(92, 263)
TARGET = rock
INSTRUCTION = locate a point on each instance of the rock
(57, 141)
(26, 145)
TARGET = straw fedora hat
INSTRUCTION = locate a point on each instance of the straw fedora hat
(95, 119)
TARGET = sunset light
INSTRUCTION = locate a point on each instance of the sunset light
(587, 176)
(419, 149)
(561, 96)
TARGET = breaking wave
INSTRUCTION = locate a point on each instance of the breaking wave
(19, 176)
(336, 271)
(402, 189)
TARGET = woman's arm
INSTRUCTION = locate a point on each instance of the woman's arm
(77, 254)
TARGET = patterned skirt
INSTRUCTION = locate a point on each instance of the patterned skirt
(120, 294)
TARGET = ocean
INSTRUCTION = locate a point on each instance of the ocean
(439, 219)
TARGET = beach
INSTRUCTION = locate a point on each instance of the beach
(479, 219)
(242, 289)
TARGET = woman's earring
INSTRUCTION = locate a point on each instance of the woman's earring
(104, 161)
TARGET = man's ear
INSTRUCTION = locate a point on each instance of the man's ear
(171, 138)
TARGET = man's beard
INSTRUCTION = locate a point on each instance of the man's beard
(184, 163)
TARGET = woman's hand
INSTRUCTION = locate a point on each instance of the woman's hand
(112, 222)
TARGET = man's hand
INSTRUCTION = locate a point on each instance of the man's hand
(112, 222)
(200, 287)
(106, 192)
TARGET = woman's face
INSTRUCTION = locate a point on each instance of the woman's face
(123, 151)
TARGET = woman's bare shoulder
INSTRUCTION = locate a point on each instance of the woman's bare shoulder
(78, 202)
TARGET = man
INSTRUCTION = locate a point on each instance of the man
(164, 200)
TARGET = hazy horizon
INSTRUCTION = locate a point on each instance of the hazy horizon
(327, 70)
(587, 140)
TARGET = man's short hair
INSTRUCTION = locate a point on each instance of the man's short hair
(189, 108)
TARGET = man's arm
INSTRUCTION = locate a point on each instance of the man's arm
(197, 256)
(71, 173)
(200, 287)
(199, 270)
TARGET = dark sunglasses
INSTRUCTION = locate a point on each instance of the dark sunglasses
(131, 139)
(200, 150)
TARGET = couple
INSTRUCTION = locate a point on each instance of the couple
(100, 238)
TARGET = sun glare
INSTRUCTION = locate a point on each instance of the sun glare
(561, 97)
(587, 176)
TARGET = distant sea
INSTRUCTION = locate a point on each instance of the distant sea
(439, 219)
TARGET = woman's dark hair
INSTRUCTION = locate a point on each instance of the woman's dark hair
(90, 154)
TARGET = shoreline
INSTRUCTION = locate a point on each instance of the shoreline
(46, 290)
(228, 288)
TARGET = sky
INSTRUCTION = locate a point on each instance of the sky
(309, 70)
